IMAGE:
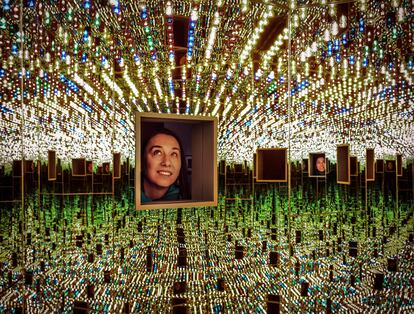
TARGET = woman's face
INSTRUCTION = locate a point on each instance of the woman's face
(163, 160)
(320, 164)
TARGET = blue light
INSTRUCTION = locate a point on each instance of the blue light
(5, 109)
(86, 107)
(70, 85)
(337, 44)
(2, 73)
(351, 60)
(31, 3)
(6, 5)
(365, 62)
(338, 57)
(330, 48)
(410, 64)
(85, 36)
(117, 9)
(361, 26)
(154, 56)
(87, 4)
(14, 49)
(84, 58)
(344, 39)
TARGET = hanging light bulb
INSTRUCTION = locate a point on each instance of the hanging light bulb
(334, 28)
(326, 35)
(342, 21)
(169, 9)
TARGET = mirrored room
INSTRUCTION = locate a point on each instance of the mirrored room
(284, 182)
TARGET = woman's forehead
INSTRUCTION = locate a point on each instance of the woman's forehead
(163, 140)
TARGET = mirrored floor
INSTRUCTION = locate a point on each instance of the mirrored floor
(327, 248)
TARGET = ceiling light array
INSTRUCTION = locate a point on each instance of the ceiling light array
(83, 65)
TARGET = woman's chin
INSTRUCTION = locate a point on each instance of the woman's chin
(163, 184)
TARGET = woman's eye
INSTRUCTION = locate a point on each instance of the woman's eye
(156, 153)
(174, 155)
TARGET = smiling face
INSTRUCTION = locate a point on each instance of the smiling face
(320, 164)
(162, 162)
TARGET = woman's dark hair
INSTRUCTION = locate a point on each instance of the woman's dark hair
(182, 180)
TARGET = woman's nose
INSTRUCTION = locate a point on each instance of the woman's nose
(166, 160)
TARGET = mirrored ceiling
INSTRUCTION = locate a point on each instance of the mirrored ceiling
(307, 75)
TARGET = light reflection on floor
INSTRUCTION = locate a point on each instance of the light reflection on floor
(96, 251)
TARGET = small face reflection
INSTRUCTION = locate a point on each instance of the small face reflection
(390, 166)
(90, 167)
(106, 168)
(320, 164)
(163, 160)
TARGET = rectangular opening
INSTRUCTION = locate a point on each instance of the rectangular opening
(354, 166)
(195, 138)
(117, 165)
(89, 167)
(317, 165)
(379, 165)
(343, 173)
(305, 165)
(271, 165)
(399, 165)
(390, 165)
(78, 167)
(370, 164)
(17, 168)
(51, 165)
(28, 166)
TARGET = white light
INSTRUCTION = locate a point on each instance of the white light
(169, 9)
(194, 15)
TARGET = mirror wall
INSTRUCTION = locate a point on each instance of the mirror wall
(302, 78)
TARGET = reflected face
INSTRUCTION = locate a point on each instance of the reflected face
(320, 164)
(390, 166)
(163, 160)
